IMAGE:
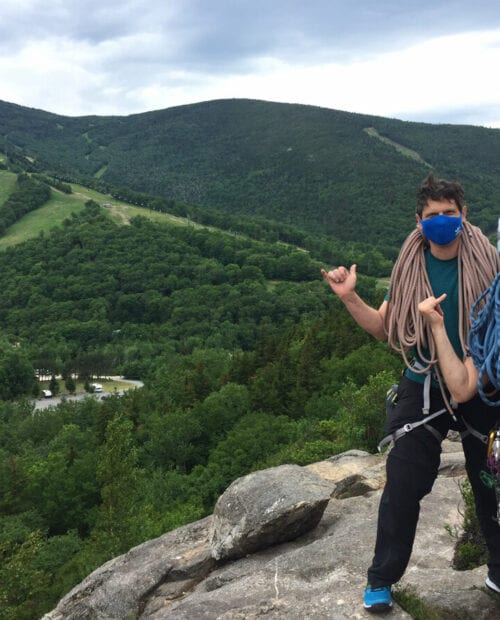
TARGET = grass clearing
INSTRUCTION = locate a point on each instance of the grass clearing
(122, 212)
(53, 213)
(403, 150)
(50, 215)
(100, 172)
(7, 184)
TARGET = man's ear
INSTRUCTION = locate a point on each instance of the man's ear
(419, 221)
(464, 212)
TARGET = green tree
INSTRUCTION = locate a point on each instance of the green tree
(54, 385)
(358, 365)
(61, 484)
(12, 483)
(359, 421)
(221, 410)
(23, 584)
(173, 440)
(70, 384)
(17, 376)
(118, 521)
(255, 438)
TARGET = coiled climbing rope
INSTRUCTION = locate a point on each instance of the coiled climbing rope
(484, 339)
(406, 328)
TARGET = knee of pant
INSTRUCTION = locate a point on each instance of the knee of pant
(417, 448)
(408, 479)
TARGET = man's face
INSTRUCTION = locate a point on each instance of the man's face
(442, 236)
(440, 207)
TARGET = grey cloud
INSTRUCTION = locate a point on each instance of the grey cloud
(88, 20)
(162, 42)
(480, 115)
(219, 34)
(216, 35)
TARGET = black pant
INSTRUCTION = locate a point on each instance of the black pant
(412, 467)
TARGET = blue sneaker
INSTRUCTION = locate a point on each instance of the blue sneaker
(377, 600)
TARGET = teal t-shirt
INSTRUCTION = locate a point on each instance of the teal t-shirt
(443, 276)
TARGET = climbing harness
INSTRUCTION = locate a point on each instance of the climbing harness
(391, 400)
(410, 426)
(469, 430)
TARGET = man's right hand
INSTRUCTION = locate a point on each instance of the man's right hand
(431, 311)
(341, 279)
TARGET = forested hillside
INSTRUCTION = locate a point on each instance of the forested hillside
(352, 176)
(248, 361)
(94, 284)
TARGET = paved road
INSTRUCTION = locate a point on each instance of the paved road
(44, 403)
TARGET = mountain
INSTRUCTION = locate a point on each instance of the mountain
(248, 360)
(349, 175)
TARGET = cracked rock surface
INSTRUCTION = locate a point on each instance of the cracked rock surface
(289, 543)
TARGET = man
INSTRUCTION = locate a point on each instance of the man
(444, 254)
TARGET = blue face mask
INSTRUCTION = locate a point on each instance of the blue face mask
(442, 229)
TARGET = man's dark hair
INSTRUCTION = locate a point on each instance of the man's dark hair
(439, 189)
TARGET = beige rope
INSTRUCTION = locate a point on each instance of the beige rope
(478, 264)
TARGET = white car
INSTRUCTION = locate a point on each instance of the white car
(96, 387)
(47, 393)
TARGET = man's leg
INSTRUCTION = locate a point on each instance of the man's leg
(412, 467)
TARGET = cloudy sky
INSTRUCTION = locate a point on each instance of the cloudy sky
(433, 61)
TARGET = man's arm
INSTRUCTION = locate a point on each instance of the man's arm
(343, 283)
(460, 377)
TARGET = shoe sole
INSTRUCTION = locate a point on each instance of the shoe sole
(492, 586)
(378, 608)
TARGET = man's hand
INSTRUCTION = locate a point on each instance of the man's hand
(341, 280)
(431, 311)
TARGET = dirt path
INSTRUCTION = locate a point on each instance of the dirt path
(119, 214)
(112, 208)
